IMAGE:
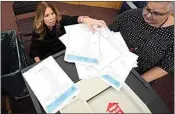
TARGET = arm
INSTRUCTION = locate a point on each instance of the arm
(92, 23)
(34, 47)
(69, 20)
(164, 67)
(154, 73)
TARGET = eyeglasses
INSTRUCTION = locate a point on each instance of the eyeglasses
(147, 10)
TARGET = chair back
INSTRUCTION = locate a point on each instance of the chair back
(22, 7)
(24, 12)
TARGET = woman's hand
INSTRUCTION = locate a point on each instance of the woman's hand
(92, 23)
(37, 59)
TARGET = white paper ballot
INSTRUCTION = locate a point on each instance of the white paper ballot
(120, 41)
(116, 73)
(83, 46)
(64, 39)
(87, 71)
(51, 85)
(116, 61)
(84, 71)
(117, 41)
(108, 54)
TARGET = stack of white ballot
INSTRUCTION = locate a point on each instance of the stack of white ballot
(102, 54)
(51, 85)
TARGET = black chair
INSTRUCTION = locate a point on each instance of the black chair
(24, 13)
(127, 5)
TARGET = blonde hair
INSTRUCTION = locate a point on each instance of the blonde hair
(38, 24)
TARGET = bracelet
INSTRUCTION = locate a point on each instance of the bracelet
(81, 18)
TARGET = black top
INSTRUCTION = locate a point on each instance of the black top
(50, 44)
(154, 46)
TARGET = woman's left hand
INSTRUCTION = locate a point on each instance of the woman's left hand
(93, 23)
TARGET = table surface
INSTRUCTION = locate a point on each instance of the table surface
(141, 88)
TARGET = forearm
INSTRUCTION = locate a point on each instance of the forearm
(81, 18)
(154, 73)
(37, 59)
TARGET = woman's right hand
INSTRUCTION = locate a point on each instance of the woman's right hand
(93, 23)
(37, 59)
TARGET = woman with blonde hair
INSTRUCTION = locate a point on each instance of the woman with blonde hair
(49, 25)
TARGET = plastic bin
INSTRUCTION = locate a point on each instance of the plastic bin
(13, 59)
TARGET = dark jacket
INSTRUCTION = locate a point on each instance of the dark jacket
(50, 44)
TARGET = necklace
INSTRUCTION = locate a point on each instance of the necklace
(163, 22)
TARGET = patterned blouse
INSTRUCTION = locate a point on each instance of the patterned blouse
(154, 46)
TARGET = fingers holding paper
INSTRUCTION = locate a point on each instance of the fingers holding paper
(94, 23)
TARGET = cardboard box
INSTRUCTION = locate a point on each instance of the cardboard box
(98, 97)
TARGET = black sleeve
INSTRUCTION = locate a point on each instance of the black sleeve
(168, 62)
(115, 26)
(123, 18)
(34, 46)
(68, 20)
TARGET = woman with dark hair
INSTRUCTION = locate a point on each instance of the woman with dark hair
(49, 26)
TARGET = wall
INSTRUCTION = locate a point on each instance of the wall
(8, 20)
(7, 17)
(113, 5)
